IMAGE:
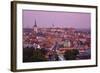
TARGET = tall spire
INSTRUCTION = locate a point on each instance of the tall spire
(35, 29)
(53, 25)
(35, 24)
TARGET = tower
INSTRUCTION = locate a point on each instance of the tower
(53, 25)
(35, 29)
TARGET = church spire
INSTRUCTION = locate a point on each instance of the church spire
(53, 25)
(35, 29)
(35, 24)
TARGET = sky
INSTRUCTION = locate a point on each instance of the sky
(46, 19)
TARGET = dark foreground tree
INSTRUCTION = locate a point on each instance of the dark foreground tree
(71, 54)
(39, 55)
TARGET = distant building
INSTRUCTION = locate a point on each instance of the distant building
(35, 29)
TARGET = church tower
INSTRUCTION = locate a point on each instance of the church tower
(35, 29)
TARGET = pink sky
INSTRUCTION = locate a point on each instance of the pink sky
(58, 19)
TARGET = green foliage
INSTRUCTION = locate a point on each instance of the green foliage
(38, 56)
(71, 54)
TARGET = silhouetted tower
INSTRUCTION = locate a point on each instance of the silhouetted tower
(35, 29)
(53, 25)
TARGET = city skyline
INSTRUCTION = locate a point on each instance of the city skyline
(49, 19)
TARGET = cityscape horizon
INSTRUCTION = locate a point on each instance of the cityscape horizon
(45, 19)
(56, 36)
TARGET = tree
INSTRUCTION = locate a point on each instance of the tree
(38, 56)
(71, 54)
